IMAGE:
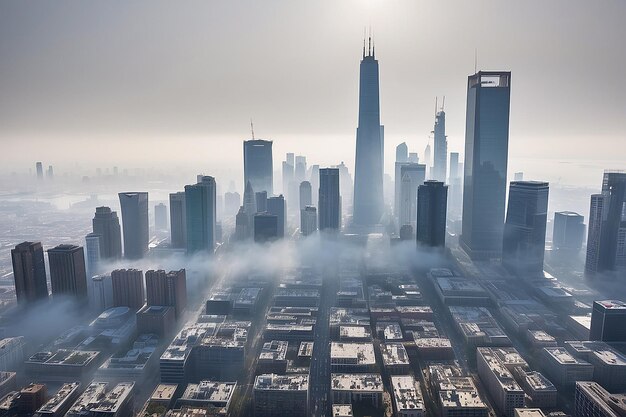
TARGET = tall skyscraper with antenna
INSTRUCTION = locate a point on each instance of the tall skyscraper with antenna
(440, 163)
(368, 172)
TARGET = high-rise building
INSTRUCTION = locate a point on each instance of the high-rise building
(39, 168)
(454, 166)
(308, 220)
(413, 175)
(428, 161)
(100, 292)
(440, 163)
(257, 165)
(402, 153)
(92, 246)
(29, 272)
(200, 205)
(128, 288)
(242, 225)
(167, 289)
(160, 217)
(67, 271)
(455, 188)
(276, 206)
(106, 224)
(569, 232)
(266, 227)
(300, 169)
(232, 202)
(608, 321)
(178, 220)
(414, 158)
(305, 194)
(249, 200)
(368, 172)
(287, 176)
(432, 198)
(50, 172)
(135, 224)
(524, 239)
(329, 199)
(606, 238)
(486, 159)
(261, 201)
(315, 182)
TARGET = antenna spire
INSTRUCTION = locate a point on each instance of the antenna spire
(252, 128)
(443, 103)
(436, 106)
(364, 37)
(475, 60)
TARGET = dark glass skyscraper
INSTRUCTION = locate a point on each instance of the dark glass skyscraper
(200, 205)
(276, 206)
(568, 232)
(265, 227)
(608, 321)
(257, 165)
(178, 220)
(440, 160)
(29, 272)
(67, 271)
(432, 201)
(486, 159)
(106, 224)
(606, 239)
(135, 222)
(368, 172)
(329, 200)
(524, 238)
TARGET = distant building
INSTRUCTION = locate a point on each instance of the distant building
(281, 395)
(232, 202)
(608, 321)
(101, 293)
(39, 168)
(306, 198)
(265, 227)
(160, 217)
(128, 288)
(178, 220)
(67, 271)
(431, 214)
(261, 201)
(569, 232)
(136, 225)
(524, 240)
(92, 245)
(200, 205)
(606, 238)
(276, 206)
(242, 225)
(486, 161)
(29, 272)
(167, 289)
(11, 353)
(440, 160)
(402, 153)
(106, 224)
(257, 165)
(308, 220)
(412, 177)
(329, 200)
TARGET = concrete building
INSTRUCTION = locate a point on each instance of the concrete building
(106, 224)
(273, 358)
(608, 321)
(609, 365)
(67, 271)
(407, 396)
(59, 404)
(591, 400)
(29, 272)
(128, 288)
(486, 162)
(568, 232)
(539, 390)
(395, 358)
(352, 357)
(178, 220)
(355, 388)
(499, 381)
(62, 365)
(136, 225)
(308, 220)
(281, 395)
(11, 353)
(342, 410)
(159, 320)
(101, 400)
(330, 200)
(208, 394)
(167, 289)
(563, 368)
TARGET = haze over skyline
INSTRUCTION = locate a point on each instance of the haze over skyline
(85, 80)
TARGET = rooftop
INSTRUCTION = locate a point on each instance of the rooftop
(276, 350)
(115, 398)
(64, 394)
(359, 353)
(273, 382)
(563, 357)
(612, 304)
(342, 410)
(356, 382)
(215, 392)
(407, 393)
(500, 371)
(394, 354)
(538, 382)
(164, 392)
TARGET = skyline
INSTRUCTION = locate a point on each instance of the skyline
(90, 98)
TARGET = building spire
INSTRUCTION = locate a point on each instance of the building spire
(252, 128)
(364, 36)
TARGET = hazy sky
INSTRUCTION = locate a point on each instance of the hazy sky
(139, 83)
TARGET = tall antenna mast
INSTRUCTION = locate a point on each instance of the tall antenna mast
(475, 60)
(443, 103)
(252, 128)
(436, 107)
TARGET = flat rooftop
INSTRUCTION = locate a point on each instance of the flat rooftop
(358, 353)
(612, 304)
(64, 357)
(538, 382)
(164, 392)
(60, 398)
(276, 350)
(563, 357)
(394, 354)
(407, 393)
(115, 398)
(342, 410)
(211, 391)
(504, 377)
(355, 332)
(305, 349)
(273, 382)
(356, 382)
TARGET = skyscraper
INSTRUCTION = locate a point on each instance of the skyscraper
(200, 205)
(287, 176)
(606, 238)
(454, 166)
(106, 224)
(266, 227)
(402, 153)
(300, 169)
(568, 232)
(67, 271)
(329, 200)
(257, 165)
(455, 188)
(249, 200)
(29, 272)
(305, 194)
(92, 246)
(486, 158)
(608, 321)
(413, 175)
(232, 202)
(136, 225)
(308, 220)
(261, 201)
(100, 292)
(160, 217)
(167, 289)
(441, 147)
(524, 237)
(178, 220)
(432, 202)
(39, 168)
(242, 226)
(427, 161)
(128, 288)
(276, 206)
(368, 173)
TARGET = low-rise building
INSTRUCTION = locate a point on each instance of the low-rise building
(351, 388)
(62, 365)
(590, 399)
(100, 401)
(246, 301)
(342, 410)
(478, 327)
(281, 395)
(352, 357)
(529, 412)
(460, 291)
(434, 348)
(289, 332)
(407, 396)
(539, 390)
(273, 358)
(355, 333)
(296, 297)
(499, 381)
(60, 403)
(395, 358)
(563, 368)
(540, 339)
(609, 365)
(208, 394)
(389, 331)
(32, 397)
(131, 365)
(159, 320)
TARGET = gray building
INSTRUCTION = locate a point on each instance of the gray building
(440, 157)
(29, 272)
(160, 217)
(276, 206)
(412, 176)
(92, 246)
(265, 227)
(306, 196)
(486, 160)
(608, 321)
(178, 220)
(257, 165)
(568, 232)
(431, 214)
(67, 271)
(329, 200)
(136, 225)
(308, 220)
(200, 206)
(106, 224)
(524, 238)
